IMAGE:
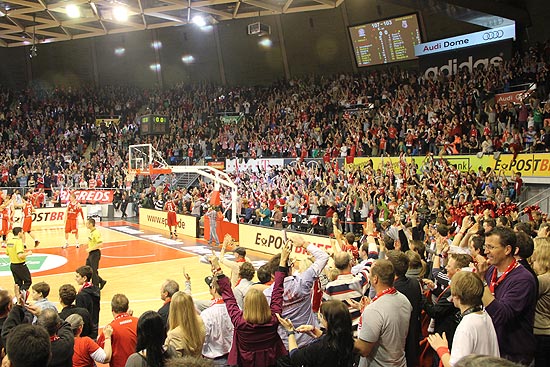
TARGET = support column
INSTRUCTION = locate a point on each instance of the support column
(95, 69)
(160, 79)
(344, 11)
(283, 47)
(220, 56)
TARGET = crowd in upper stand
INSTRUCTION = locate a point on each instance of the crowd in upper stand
(386, 112)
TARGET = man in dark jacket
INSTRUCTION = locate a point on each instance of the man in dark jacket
(67, 296)
(89, 295)
(411, 289)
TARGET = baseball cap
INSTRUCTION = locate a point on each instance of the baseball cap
(208, 280)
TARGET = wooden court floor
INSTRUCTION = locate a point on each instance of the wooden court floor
(135, 261)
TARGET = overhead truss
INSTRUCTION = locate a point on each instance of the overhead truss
(24, 22)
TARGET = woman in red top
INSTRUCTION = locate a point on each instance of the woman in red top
(256, 342)
(86, 351)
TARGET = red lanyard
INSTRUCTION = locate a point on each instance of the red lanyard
(391, 290)
(495, 282)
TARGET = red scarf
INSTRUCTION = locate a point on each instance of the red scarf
(495, 282)
(86, 285)
(390, 290)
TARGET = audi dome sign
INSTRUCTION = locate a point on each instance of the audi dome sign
(466, 40)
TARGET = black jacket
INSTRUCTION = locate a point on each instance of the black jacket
(88, 298)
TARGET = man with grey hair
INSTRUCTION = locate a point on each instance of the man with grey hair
(61, 337)
(167, 290)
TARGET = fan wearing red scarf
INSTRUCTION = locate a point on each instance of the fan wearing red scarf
(509, 295)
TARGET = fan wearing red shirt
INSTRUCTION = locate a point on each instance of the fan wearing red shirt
(28, 209)
(71, 216)
(172, 220)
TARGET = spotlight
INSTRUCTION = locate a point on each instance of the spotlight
(154, 67)
(265, 42)
(119, 51)
(199, 20)
(120, 13)
(187, 59)
(156, 45)
(73, 11)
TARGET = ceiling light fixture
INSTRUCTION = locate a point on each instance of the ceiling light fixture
(73, 11)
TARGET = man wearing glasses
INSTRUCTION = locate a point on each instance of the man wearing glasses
(508, 295)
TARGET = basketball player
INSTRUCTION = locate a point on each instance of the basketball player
(28, 209)
(71, 216)
(172, 219)
(6, 216)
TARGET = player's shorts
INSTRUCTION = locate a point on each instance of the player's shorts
(27, 222)
(172, 219)
(70, 226)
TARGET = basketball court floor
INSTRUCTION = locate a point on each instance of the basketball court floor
(135, 261)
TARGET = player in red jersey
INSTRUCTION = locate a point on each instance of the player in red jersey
(4, 217)
(172, 219)
(28, 209)
(71, 216)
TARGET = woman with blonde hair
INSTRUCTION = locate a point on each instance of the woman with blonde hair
(187, 331)
(540, 261)
(256, 342)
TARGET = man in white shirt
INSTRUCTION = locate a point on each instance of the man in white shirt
(246, 273)
(218, 327)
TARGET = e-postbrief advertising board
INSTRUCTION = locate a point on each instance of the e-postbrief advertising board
(270, 241)
(47, 217)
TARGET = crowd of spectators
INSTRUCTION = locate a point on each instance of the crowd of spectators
(433, 216)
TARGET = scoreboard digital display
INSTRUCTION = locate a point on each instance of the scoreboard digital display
(154, 125)
(385, 41)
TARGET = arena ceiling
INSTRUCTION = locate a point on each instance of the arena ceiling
(24, 22)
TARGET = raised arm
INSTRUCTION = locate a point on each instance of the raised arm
(278, 288)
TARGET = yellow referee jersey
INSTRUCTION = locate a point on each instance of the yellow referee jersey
(94, 240)
(14, 247)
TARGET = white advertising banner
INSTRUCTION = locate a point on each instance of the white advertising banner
(187, 224)
(466, 40)
(48, 217)
(244, 164)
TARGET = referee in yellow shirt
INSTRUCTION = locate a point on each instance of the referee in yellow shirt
(94, 252)
(16, 252)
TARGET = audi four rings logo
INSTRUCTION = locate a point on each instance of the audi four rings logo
(493, 35)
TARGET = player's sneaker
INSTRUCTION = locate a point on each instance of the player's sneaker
(36, 243)
(3, 245)
(65, 246)
(77, 245)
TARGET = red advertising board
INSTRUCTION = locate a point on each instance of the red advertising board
(89, 196)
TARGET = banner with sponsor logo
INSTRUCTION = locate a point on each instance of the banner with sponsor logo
(187, 224)
(89, 196)
(270, 241)
(451, 62)
(466, 40)
(530, 165)
(244, 164)
(48, 218)
(515, 97)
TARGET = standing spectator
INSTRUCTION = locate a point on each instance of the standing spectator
(28, 346)
(94, 253)
(124, 335)
(411, 289)
(67, 295)
(334, 347)
(17, 254)
(186, 334)
(150, 348)
(71, 217)
(298, 290)
(264, 214)
(86, 350)
(240, 258)
(167, 290)
(385, 321)
(213, 216)
(509, 295)
(347, 286)
(475, 334)
(61, 337)
(277, 217)
(89, 296)
(541, 265)
(246, 273)
(218, 327)
(256, 342)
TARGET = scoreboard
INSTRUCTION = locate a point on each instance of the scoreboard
(154, 124)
